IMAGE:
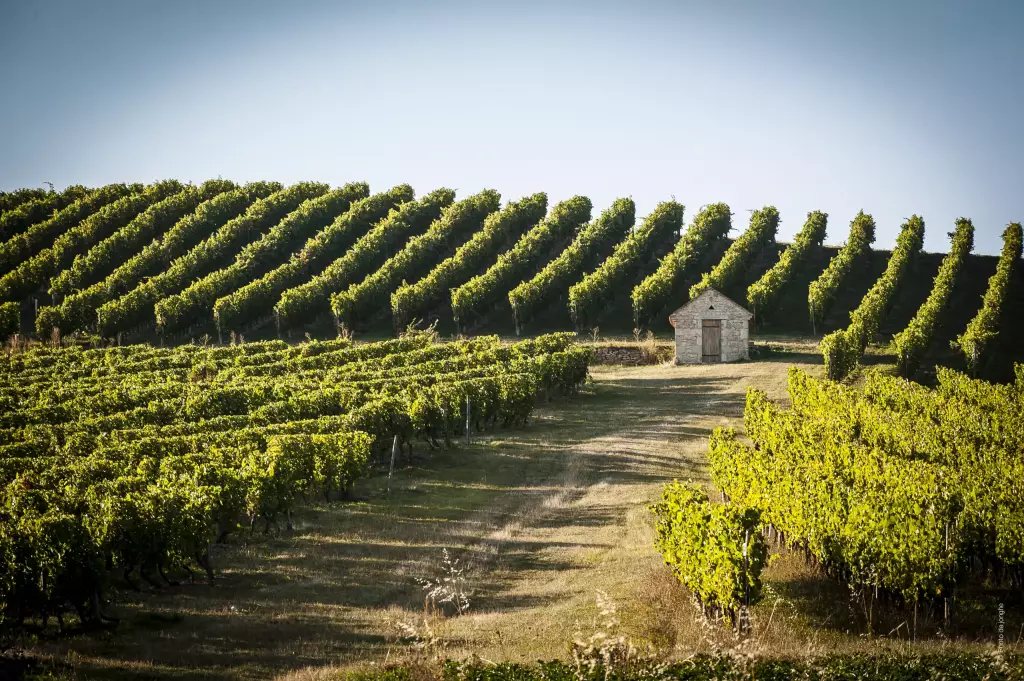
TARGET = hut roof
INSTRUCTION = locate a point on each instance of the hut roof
(710, 297)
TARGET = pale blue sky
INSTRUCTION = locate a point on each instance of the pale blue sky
(894, 107)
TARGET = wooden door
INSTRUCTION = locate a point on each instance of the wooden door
(711, 340)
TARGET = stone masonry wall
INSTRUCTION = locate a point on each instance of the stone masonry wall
(735, 328)
(628, 355)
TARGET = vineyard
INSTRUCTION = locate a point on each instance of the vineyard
(136, 459)
(171, 262)
(904, 494)
(196, 373)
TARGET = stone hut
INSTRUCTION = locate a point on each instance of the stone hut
(711, 328)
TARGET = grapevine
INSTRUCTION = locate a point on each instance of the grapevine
(894, 488)
(256, 300)
(123, 300)
(592, 244)
(652, 238)
(912, 343)
(99, 261)
(156, 453)
(651, 295)
(764, 293)
(823, 290)
(10, 319)
(764, 223)
(21, 210)
(458, 221)
(481, 293)
(312, 299)
(197, 299)
(499, 231)
(974, 341)
(842, 349)
(174, 312)
(716, 550)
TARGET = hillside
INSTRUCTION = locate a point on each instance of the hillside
(152, 264)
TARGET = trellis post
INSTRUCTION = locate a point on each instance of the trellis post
(391, 470)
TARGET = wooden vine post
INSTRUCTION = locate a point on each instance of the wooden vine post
(945, 598)
(391, 470)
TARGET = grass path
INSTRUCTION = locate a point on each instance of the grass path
(541, 518)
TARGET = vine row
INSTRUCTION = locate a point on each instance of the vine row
(842, 349)
(33, 274)
(499, 231)
(361, 301)
(195, 302)
(763, 295)
(592, 244)
(122, 299)
(984, 327)
(394, 212)
(822, 292)
(589, 296)
(479, 295)
(312, 298)
(764, 223)
(912, 342)
(650, 296)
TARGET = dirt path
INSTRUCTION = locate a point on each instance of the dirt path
(592, 532)
(540, 518)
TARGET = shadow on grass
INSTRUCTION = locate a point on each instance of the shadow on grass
(824, 604)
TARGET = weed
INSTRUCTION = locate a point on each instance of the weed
(648, 348)
(412, 329)
(608, 654)
(449, 588)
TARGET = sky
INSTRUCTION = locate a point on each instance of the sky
(893, 107)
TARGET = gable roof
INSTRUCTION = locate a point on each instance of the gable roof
(711, 296)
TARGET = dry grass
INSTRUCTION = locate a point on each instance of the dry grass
(541, 518)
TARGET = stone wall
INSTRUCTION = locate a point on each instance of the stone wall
(711, 305)
(629, 355)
